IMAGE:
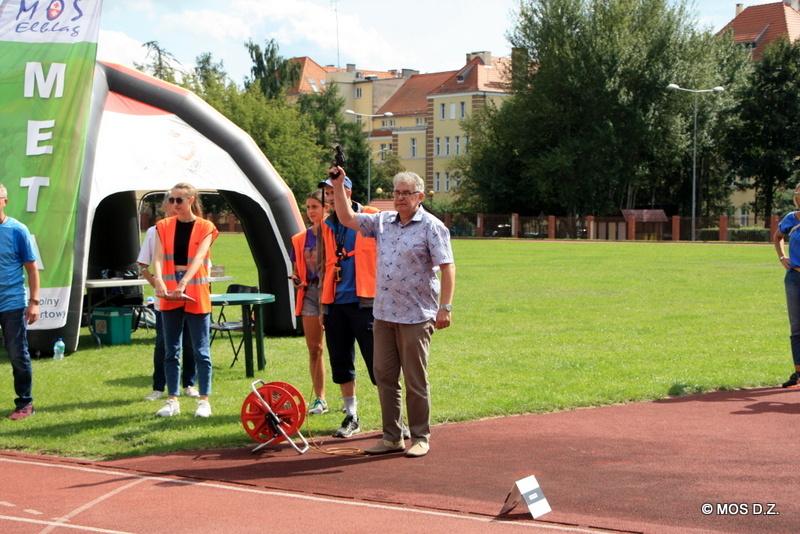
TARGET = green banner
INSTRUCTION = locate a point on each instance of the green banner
(47, 54)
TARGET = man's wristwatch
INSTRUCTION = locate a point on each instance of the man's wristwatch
(448, 307)
(34, 301)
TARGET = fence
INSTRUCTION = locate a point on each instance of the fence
(606, 228)
(594, 228)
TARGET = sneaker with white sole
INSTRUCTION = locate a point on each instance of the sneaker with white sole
(191, 392)
(203, 409)
(155, 395)
(350, 426)
(172, 407)
(318, 407)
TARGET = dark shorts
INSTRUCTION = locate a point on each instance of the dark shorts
(344, 325)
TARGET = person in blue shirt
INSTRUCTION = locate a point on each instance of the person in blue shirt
(789, 230)
(17, 311)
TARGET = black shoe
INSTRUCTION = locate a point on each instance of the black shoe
(793, 382)
(350, 426)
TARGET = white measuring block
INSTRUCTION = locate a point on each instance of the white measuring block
(527, 490)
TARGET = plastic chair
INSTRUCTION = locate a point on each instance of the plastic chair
(223, 325)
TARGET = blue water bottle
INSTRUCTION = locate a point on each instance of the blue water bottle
(58, 349)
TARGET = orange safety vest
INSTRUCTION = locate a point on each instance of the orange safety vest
(198, 287)
(366, 258)
(299, 243)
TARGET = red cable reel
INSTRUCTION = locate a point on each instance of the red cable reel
(273, 413)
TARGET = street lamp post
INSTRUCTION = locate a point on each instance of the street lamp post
(696, 92)
(369, 153)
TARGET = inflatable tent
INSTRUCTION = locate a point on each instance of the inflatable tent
(145, 135)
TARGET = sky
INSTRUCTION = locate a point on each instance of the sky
(424, 35)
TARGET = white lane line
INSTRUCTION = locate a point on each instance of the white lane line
(65, 520)
(140, 478)
(62, 525)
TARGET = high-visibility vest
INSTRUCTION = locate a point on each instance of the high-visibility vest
(298, 244)
(366, 258)
(198, 287)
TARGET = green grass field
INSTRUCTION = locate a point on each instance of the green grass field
(537, 326)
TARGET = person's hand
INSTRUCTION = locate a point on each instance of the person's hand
(442, 319)
(161, 290)
(177, 293)
(785, 262)
(336, 174)
(32, 313)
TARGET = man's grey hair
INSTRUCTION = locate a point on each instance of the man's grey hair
(3, 191)
(409, 178)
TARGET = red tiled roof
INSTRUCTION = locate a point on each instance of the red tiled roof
(411, 98)
(763, 24)
(476, 76)
(311, 70)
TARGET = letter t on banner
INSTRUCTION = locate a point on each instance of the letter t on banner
(527, 490)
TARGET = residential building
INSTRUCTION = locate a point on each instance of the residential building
(483, 80)
(755, 27)
(417, 117)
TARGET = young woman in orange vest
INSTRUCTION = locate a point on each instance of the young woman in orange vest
(181, 280)
(306, 278)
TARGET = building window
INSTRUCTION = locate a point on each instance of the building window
(458, 144)
(466, 144)
(447, 181)
(413, 151)
(313, 84)
(441, 111)
(463, 110)
(421, 121)
(437, 147)
(452, 110)
(447, 146)
(358, 92)
(437, 183)
(389, 123)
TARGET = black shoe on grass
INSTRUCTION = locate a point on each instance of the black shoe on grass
(793, 382)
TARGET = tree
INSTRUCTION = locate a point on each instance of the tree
(275, 74)
(324, 111)
(161, 64)
(590, 127)
(764, 144)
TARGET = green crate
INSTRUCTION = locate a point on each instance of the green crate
(112, 325)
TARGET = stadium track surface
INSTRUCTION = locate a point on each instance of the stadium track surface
(641, 467)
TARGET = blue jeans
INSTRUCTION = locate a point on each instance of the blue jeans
(189, 369)
(791, 283)
(16, 340)
(198, 324)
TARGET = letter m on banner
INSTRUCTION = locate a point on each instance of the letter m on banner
(47, 53)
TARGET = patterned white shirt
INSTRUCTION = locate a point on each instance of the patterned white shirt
(409, 256)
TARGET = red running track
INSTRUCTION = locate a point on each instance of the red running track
(644, 467)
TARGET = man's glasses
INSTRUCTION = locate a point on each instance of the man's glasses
(404, 194)
(176, 200)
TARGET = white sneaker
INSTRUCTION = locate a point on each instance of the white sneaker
(155, 395)
(172, 407)
(191, 391)
(203, 409)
